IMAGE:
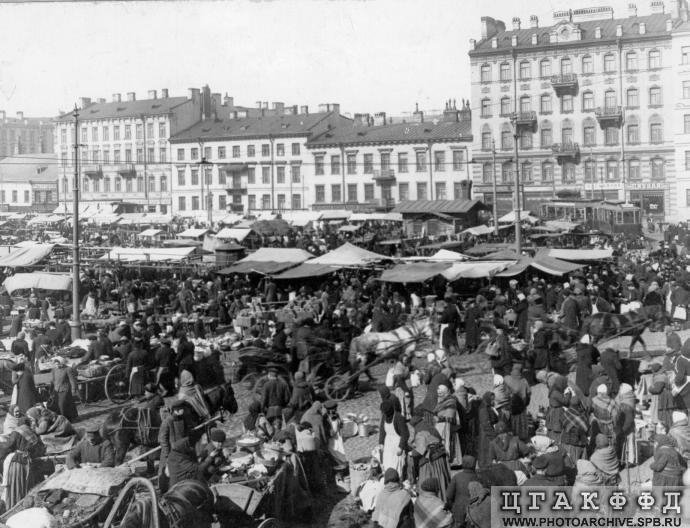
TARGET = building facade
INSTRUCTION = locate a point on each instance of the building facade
(246, 164)
(681, 116)
(28, 183)
(367, 164)
(588, 100)
(25, 135)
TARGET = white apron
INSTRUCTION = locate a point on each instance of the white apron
(390, 450)
(336, 446)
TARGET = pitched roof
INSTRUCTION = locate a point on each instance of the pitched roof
(436, 206)
(399, 132)
(117, 110)
(655, 26)
(29, 167)
(250, 127)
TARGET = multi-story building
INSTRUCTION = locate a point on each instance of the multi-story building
(370, 164)
(246, 164)
(28, 182)
(681, 113)
(589, 101)
(124, 154)
(25, 135)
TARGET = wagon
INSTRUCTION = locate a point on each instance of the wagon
(111, 384)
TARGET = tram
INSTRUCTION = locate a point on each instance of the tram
(606, 216)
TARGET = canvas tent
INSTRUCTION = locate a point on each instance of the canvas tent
(233, 233)
(129, 254)
(414, 272)
(38, 280)
(26, 256)
(510, 218)
(268, 261)
(345, 256)
(196, 234)
(474, 270)
(541, 262)
(580, 254)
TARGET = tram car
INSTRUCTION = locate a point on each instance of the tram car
(609, 217)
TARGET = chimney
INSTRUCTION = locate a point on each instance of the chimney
(643, 28)
(84, 102)
(535, 39)
(164, 93)
(597, 32)
(334, 107)
(380, 119)
(361, 120)
(491, 27)
(206, 109)
(279, 108)
(101, 100)
(494, 42)
(632, 10)
(304, 109)
(131, 96)
(451, 114)
(292, 110)
(117, 98)
(533, 21)
(516, 23)
(153, 94)
(619, 30)
(216, 101)
(657, 7)
(323, 107)
(228, 101)
(417, 115)
(473, 43)
(20, 116)
(194, 94)
(465, 112)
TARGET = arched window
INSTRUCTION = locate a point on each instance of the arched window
(486, 137)
(546, 135)
(568, 173)
(656, 130)
(609, 63)
(526, 175)
(566, 66)
(525, 139)
(96, 185)
(507, 172)
(506, 106)
(590, 171)
(525, 103)
(632, 99)
(657, 168)
(655, 96)
(587, 64)
(610, 99)
(486, 73)
(547, 172)
(487, 173)
(589, 132)
(140, 184)
(631, 61)
(634, 169)
(587, 101)
(164, 183)
(152, 183)
(654, 59)
(545, 106)
(504, 71)
(525, 70)
(118, 183)
(128, 185)
(106, 184)
(545, 68)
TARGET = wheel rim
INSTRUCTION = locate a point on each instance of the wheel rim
(337, 387)
(269, 523)
(116, 386)
(248, 382)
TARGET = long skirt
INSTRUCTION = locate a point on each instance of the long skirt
(137, 380)
(662, 480)
(519, 424)
(439, 469)
(574, 453)
(66, 406)
(451, 442)
(312, 469)
(20, 478)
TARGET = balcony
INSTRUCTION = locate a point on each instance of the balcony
(236, 207)
(92, 170)
(234, 190)
(126, 171)
(567, 151)
(565, 83)
(609, 116)
(384, 177)
(526, 120)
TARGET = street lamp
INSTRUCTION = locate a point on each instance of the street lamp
(75, 323)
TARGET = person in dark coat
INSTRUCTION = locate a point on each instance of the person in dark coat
(520, 398)
(522, 322)
(559, 397)
(539, 478)
(450, 317)
(538, 359)
(668, 465)
(472, 316)
(681, 375)
(64, 384)
(182, 462)
(586, 355)
(479, 507)
(20, 346)
(428, 405)
(136, 368)
(612, 366)
(275, 395)
(23, 380)
(570, 312)
(93, 449)
(40, 346)
(487, 418)
(164, 359)
(174, 428)
(457, 494)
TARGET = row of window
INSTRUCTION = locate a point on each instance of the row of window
(15, 196)
(385, 162)
(281, 203)
(102, 133)
(281, 178)
(589, 134)
(194, 202)
(608, 171)
(352, 190)
(221, 152)
(102, 157)
(567, 102)
(609, 64)
(119, 184)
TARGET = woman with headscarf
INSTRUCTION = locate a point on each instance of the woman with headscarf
(393, 505)
(574, 428)
(625, 425)
(611, 364)
(662, 402)
(429, 510)
(14, 414)
(559, 398)
(479, 508)
(502, 398)
(583, 371)
(191, 393)
(605, 460)
(448, 424)
(255, 423)
(321, 463)
(402, 392)
(20, 469)
(487, 420)
(507, 449)
(668, 465)
(604, 415)
(588, 479)
(428, 454)
(428, 405)
(393, 438)
(24, 392)
(519, 401)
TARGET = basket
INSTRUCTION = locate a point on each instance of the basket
(359, 471)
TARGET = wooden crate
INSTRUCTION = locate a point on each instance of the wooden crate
(244, 497)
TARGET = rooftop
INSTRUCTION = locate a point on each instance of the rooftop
(120, 109)
(29, 167)
(437, 206)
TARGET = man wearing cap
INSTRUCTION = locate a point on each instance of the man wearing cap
(457, 494)
(275, 394)
(539, 479)
(93, 450)
(20, 346)
(570, 312)
(40, 346)
(183, 464)
(136, 368)
(175, 427)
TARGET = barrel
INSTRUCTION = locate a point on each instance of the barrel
(359, 471)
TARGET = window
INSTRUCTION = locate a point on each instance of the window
(162, 130)
(485, 73)
(265, 150)
(525, 71)
(95, 155)
(236, 151)
(280, 149)
(105, 132)
(385, 161)
(545, 68)
(221, 152)
(589, 135)
(222, 202)
(118, 183)
(525, 139)
(251, 175)
(106, 184)
(335, 194)
(687, 197)
(149, 130)
(335, 164)
(295, 149)
(140, 155)
(507, 172)
(94, 134)
(506, 106)
(458, 160)
(609, 63)
(611, 170)
(318, 165)
(180, 177)
(633, 98)
(525, 103)
(487, 173)
(128, 185)
(686, 124)
(116, 132)
(15, 198)
(162, 155)
(439, 161)
(195, 177)
(566, 104)
(139, 131)
(151, 156)
(568, 174)
(320, 193)
(486, 141)
(420, 160)
(297, 201)
(610, 99)
(251, 151)
(631, 61)
(295, 175)
(194, 154)
(265, 175)
(546, 138)
(657, 168)
(655, 96)
(195, 203)
(182, 203)
(654, 59)
(486, 108)
(207, 153)
(656, 133)
(587, 64)
(506, 139)
(251, 201)
(567, 133)
(587, 101)
(634, 169)
(686, 89)
(590, 171)
(368, 192)
(265, 201)
(280, 174)
(63, 135)
(421, 191)
(633, 135)
(84, 156)
(566, 66)
(504, 71)
(140, 184)
(547, 172)
(402, 162)
(526, 172)
(84, 135)
(685, 55)
(545, 106)
(368, 163)
(440, 191)
(611, 136)
(128, 155)
(281, 201)
(164, 183)
(180, 154)
(222, 177)
(352, 192)
(403, 191)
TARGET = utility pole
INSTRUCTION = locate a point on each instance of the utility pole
(493, 179)
(518, 227)
(75, 323)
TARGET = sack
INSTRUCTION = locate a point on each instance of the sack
(492, 349)
(680, 313)
(389, 378)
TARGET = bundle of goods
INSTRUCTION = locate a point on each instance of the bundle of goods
(92, 370)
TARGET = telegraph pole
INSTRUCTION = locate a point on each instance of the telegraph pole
(75, 323)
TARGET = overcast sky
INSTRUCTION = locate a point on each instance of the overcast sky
(367, 55)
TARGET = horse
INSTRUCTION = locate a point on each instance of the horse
(605, 325)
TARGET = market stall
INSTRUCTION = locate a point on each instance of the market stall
(268, 261)
(345, 256)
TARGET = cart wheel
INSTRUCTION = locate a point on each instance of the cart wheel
(269, 523)
(338, 387)
(320, 372)
(116, 386)
(249, 381)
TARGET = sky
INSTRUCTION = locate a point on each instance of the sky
(367, 55)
